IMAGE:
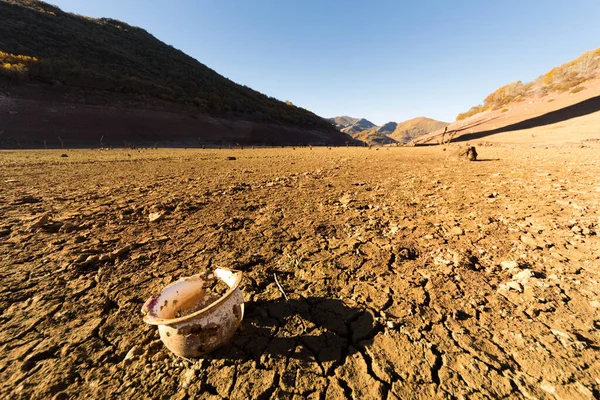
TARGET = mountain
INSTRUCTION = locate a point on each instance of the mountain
(414, 128)
(389, 133)
(373, 137)
(350, 125)
(88, 79)
(387, 128)
(559, 107)
(343, 121)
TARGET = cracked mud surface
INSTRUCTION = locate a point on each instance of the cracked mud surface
(409, 274)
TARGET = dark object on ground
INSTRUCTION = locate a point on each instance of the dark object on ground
(231, 158)
(467, 153)
(64, 155)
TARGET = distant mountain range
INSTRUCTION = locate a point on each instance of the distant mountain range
(351, 125)
(389, 133)
(71, 80)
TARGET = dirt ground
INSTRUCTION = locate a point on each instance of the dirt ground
(409, 274)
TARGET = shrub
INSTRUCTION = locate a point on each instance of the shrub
(472, 111)
(577, 89)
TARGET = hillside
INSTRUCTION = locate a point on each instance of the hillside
(414, 128)
(570, 76)
(387, 128)
(373, 137)
(560, 107)
(49, 57)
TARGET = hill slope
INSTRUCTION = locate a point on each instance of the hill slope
(414, 128)
(561, 106)
(387, 128)
(373, 137)
(49, 56)
(570, 76)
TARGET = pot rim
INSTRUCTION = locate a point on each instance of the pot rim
(154, 320)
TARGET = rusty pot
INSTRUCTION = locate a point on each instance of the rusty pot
(189, 322)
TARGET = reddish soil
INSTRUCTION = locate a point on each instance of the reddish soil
(409, 274)
(77, 119)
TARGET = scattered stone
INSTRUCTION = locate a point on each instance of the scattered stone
(231, 158)
(187, 377)
(456, 231)
(510, 285)
(509, 265)
(529, 241)
(67, 227)
(121, 251)
(135, 351)
(40, 222)
(64, 155)
(467, 153)
(346, 199)
(523, 276)
(27, 199)
(156, 216)
(92, 260)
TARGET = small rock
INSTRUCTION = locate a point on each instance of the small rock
(510, 285)
(346, 199)
(187, 377)
(523, 276)
(586, 231)
(121, 251)
(92, 260)
(456, 231)
(156, 216)
(231, 158)
(467, 153)
(529, 241)
(79, 239)
(28, 199)
(64, 155)
(576, 229)
(509, 265)
(391, 324)
(41, 221)
(67, 227)
(133, 352)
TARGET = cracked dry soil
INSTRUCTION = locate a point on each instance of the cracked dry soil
(409, 274)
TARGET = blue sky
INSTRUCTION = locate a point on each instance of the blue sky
(384, 60)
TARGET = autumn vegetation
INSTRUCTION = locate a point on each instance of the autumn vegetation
(567, 77)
